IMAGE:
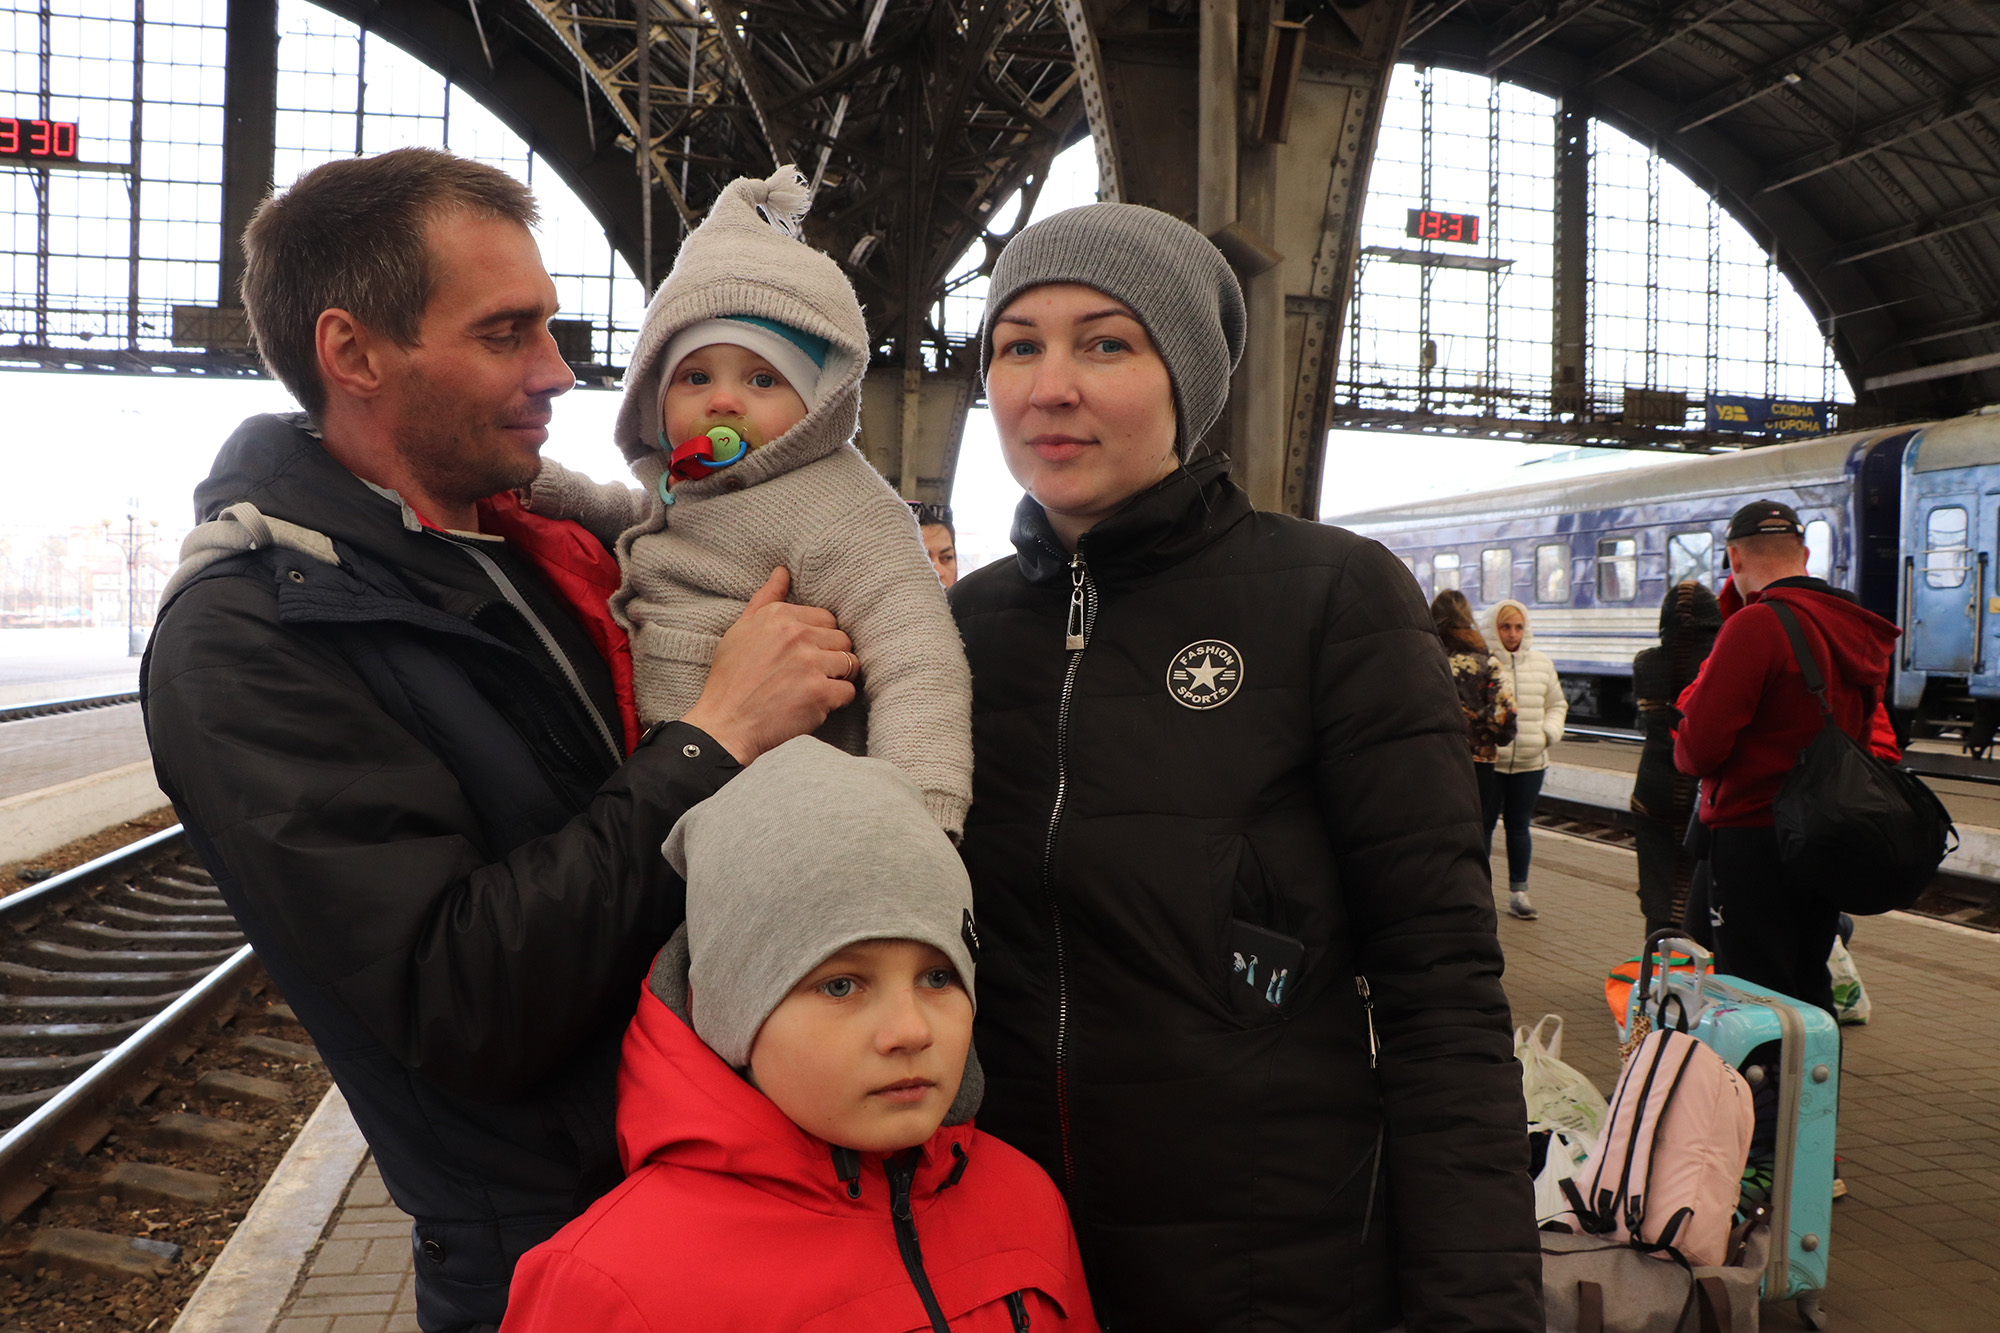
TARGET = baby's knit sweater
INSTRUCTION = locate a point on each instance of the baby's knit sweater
(852, 547)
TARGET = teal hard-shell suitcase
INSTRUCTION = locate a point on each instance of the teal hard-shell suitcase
(1734, 1018)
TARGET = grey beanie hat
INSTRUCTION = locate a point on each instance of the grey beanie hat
(1170, 275)
(809, 850)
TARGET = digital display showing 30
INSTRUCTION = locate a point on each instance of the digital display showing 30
(1429, 225)
(50, 141)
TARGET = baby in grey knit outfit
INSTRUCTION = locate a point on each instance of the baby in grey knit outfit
(741, 404)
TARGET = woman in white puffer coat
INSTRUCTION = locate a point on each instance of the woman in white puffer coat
(1513, 782)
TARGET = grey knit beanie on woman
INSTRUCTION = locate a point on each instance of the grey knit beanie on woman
(1167, 273)
(807, 851)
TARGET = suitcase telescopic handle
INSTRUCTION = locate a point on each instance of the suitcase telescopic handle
(1698, 955)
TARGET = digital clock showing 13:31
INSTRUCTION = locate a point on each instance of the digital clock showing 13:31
(40, 141)
(1427, 224)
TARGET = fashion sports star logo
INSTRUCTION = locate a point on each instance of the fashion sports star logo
(1205, 674)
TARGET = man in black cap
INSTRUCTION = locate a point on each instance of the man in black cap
(1745, 719)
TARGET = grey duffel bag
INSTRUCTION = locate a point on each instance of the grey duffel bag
(1592, 1285)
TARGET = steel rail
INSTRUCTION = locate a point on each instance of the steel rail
(86, 1095)
(54, 707)
(90, 874)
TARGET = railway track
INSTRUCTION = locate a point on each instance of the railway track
(52, 707)
(146, 1092)
(103, 970)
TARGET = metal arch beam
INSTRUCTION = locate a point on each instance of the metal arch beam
(1874, 24)
(531, 97)
(1097, 108)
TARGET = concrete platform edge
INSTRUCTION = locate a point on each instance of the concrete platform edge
(254, 1275)
(38, 821)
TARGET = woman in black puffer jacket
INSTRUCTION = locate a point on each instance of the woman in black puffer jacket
(1662, 796)
(1240, 991)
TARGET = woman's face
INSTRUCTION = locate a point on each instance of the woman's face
(1511, 626)
(1083, 403)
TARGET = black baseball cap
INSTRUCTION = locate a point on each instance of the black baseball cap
(1765, 518)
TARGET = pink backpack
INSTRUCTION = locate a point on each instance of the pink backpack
(1669, 1165)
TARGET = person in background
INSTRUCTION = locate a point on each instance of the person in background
(1663, 798)
(1514, 782)
(1743, 722)
(1240, 993)
(940, 539)
(1483, 697)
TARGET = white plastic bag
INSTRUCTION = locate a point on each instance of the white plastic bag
(1568, 1159)
(1557, 1094)
(1850, 998)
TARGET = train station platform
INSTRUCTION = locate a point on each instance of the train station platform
(1916, 1243)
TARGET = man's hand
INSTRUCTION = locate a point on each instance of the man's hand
(777, 673)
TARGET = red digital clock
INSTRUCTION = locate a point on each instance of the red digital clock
(44, 140)
(1430, 225)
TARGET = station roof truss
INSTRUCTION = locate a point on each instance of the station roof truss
(917, 119)
(1858, 139)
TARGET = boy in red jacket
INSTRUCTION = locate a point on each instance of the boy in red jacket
(1744, 720)
(797, 1087)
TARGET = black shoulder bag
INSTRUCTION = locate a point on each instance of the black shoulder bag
(1856, 832)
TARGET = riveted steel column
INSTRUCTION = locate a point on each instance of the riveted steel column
(1215, 203)
(1571, 373)
(249, 129)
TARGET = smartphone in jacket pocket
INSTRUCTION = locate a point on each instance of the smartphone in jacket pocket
(1262, 964)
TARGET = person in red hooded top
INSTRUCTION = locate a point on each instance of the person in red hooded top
(796, 1093)
(1744, 720)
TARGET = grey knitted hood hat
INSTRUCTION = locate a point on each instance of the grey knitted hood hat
(748, 258)
(807, 851)
(1170, 275)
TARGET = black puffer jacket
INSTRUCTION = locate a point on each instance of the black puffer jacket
(1259, 734)
(436, 852)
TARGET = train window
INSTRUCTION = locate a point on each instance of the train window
(1691, 557)
(1819, 549)
(1552, 572)
(1496, 574)
(1944, 534)
(1617, 569)
(1444, 570)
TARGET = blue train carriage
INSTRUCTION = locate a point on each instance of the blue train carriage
(1592, 557)
(1948, 664)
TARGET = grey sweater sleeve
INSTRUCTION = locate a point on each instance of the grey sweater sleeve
(870, 570)
(605, 508)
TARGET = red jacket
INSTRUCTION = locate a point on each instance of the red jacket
(734, 1218)
(1748, 713)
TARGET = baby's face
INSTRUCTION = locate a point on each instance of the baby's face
(723, 384)
(868, 1050)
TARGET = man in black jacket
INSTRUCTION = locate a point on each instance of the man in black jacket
(401, 742)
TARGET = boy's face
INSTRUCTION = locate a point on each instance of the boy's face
(868, 1049)
(723, 384)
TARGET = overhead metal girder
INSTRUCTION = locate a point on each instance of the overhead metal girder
(1295, 220)
(1882, 20)
(1889, 132)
